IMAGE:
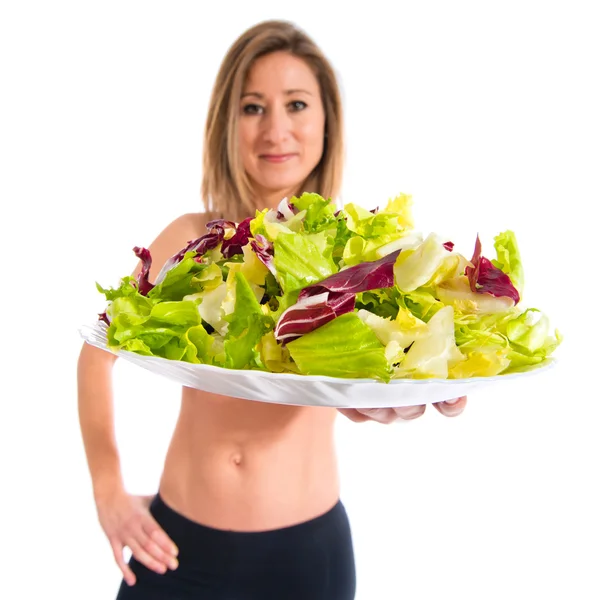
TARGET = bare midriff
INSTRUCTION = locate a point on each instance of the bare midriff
(250, 466)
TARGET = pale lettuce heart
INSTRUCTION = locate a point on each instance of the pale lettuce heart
(403, 330)
(432, 355)
(457, 292)
(480, 364)
(415, 268)
(211, 308)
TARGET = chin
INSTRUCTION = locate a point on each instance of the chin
(281, 183)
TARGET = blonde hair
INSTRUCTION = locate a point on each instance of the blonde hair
(226, 189)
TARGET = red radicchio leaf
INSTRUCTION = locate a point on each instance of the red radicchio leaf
(264, 250)
(311, 312)
(484, 277)
(104, 317)
(449, 246)
(144, 286)
(359, 278)
(238, 240)
(324, 301)
(212, 239)
(222, 223)
(203, 244)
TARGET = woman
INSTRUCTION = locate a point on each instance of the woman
(248, 504)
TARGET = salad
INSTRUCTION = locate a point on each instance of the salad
(350, 293)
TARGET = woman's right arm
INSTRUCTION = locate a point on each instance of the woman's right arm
(95, 405)
(125, 519)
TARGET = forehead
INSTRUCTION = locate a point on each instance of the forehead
(280, 71)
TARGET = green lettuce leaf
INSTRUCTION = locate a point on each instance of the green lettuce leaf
(319, 212)
(301, 260)
(383, 302)
(274, 356)
(343, 347)
(509, 259)
(359, 249)
(422, 304)
(247, 325)
(127, 287)
(180, 280)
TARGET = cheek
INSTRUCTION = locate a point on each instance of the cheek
(313, 132)
(245, 138)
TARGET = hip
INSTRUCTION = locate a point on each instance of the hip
(312, 560)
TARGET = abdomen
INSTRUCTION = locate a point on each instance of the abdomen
(250, 466)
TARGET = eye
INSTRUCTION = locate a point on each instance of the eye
(297, 105)
(252, 109)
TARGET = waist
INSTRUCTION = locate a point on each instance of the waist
(190, 534)
(245, 466)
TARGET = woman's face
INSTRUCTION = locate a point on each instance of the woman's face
(281, 126)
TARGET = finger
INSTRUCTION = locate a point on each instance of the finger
(128, 574)
(408, 413)
(159, 536)
(151, 546)
(143, 556)
(381, 415)
(353, 415)
(452, 408)
(156, 552)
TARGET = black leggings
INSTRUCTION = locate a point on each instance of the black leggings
(310, 561)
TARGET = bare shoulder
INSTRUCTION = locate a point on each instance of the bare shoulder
(185, 228)
(173, 238)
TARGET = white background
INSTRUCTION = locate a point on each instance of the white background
(487, 113)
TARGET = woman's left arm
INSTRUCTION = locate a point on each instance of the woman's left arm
(449, 408)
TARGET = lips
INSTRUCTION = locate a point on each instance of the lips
(277, 158)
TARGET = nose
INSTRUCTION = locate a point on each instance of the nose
(276, 125)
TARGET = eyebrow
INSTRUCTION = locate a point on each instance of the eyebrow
(287, 92)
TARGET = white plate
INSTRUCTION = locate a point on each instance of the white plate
(306, 390)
